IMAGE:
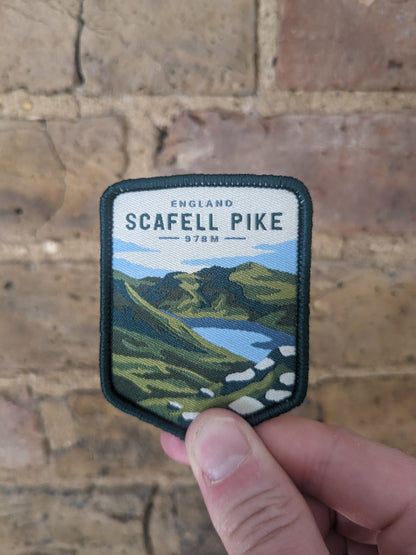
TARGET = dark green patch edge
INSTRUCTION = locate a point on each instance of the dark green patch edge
(303, 279)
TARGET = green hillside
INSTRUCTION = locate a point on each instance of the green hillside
(145, 359)
(161, 364)
(247, 292)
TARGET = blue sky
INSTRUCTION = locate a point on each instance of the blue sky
(123, 246)
(281, 256)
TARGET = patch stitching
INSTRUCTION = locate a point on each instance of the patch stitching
(302, 281)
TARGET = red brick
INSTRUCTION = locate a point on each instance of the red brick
(20, 438)
(359, 168)
(348, 44)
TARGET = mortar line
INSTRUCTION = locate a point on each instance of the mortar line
(267, 35)
(268, 103)
(256, 52)
(78, 65)
(147, 515)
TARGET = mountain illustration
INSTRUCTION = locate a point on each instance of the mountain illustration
(162, 364)
(246, 292)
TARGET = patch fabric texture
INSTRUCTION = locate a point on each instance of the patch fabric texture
(205, 296)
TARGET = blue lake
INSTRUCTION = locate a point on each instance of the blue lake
(248, 339)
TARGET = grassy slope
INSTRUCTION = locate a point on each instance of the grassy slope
(147, 362)
(264, 285)
(270, 287)
(202, 294)
(152, 373)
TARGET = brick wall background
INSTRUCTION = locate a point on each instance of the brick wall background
(92, 92)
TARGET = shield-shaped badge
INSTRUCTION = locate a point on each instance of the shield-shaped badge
(205, 296)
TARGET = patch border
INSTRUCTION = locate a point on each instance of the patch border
(303, 278)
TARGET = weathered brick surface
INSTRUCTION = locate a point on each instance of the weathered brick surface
(77, 476)
(344, 160)
(385, 251)
(37, 45)
(180, 524)
(31, 179)
(21, 440)
(350, 45)
(92, 520)
(310, 408)
(381, 408)
(112, 443)
(51, 176)
(163, 47)
(92, 151)
(58, 424)
(362, 316)
(49, 318)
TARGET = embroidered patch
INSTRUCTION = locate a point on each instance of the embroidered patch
(205, 296)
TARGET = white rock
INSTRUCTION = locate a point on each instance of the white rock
(246, 405)
(241, 376)
(50, 247)
(264, 364)
(287, 350)
(174, 405)
(206, 391)
(189, 415)
(277, 395)
(288, 378)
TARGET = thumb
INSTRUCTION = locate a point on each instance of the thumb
(253, 504)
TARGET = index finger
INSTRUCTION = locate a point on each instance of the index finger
(371, 484)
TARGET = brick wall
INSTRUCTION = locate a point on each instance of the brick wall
(93, 92)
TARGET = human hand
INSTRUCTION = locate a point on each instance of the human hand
(295, 486)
